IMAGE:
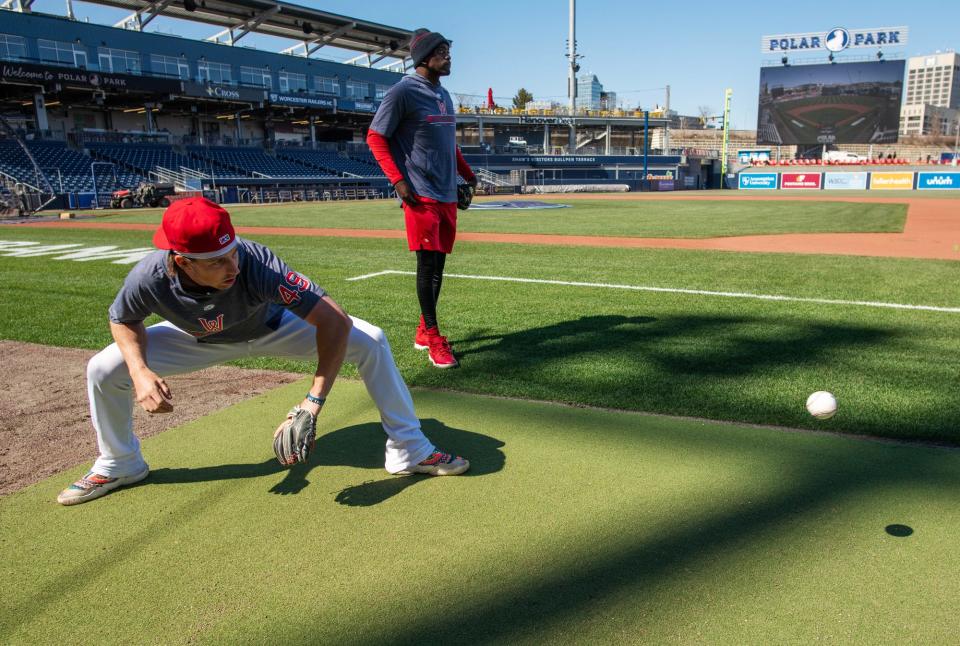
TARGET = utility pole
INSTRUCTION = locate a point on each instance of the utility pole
(666, 128)
(726, 136)
(572, 76)
(572, 55)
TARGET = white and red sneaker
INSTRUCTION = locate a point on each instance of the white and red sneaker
(421, 341)
(93, 486)
(439, 464)
(441, 354)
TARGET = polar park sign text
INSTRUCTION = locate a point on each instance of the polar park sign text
(835, 40)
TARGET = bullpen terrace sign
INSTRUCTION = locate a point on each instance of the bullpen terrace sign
(835, 40)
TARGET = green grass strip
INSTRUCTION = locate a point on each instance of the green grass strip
(894, 372)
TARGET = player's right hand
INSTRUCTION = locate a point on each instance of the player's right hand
(405, 193)
(153, 394)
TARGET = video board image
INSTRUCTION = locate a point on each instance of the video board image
(843, 103)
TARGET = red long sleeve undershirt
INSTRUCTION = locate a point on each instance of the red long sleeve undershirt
(380, 147)
(463, 168)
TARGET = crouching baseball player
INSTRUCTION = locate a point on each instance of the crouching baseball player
(223, 298)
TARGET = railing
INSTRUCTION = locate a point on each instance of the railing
(95, 136)
(561, 112)
(9, 182)
(167, 176)
(193, 173)
(38, 135)
(489, 177)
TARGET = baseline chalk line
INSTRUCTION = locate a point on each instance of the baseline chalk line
(677, 290)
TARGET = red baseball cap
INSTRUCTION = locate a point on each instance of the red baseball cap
(197, 228)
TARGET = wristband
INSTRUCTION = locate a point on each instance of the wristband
(316, 400)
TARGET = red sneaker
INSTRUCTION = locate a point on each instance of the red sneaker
(441, 355)
(421, 341)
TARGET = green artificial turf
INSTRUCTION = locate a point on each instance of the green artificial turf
(895, 372)
(642, 218)
(574, 526)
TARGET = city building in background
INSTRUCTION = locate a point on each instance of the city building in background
(931, 103)
(589, 92)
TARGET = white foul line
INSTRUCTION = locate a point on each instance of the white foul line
(674, 290)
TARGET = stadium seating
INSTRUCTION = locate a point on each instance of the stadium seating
(333, 163)
(862, 162)
(144, 158)
(67, 170)
(254, 160)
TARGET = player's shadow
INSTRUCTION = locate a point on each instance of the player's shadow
(689, 345)
(658, 364)
(359, 446)
(362, 446)
(571, 337)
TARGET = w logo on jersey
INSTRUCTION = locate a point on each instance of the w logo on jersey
(443, 118)
(211, 327)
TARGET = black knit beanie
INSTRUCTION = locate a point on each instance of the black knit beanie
(423, 43)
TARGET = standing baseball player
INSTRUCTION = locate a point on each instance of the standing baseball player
(223, 298)
(413, 137)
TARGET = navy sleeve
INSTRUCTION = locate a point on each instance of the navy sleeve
(278, 283)
(131, 304)
(390, 112)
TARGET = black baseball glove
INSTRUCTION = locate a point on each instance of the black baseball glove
(464, 196)
(296, 437)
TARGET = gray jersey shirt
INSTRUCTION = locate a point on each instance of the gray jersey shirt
(248, 309)
(418, 119)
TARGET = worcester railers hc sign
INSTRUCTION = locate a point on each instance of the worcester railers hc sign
(835, 40)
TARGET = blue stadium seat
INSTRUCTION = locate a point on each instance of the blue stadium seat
(255, 160)
(67, 170)
(332, 162)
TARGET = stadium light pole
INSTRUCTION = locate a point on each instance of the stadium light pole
(646, 146)
(572, 77)
(726, 136)
(572, 55)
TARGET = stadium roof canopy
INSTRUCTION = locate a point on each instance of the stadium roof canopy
(312, 27)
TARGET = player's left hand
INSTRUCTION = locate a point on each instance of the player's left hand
(464, 196)
(296, 437)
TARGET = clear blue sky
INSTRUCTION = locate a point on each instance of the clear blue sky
(635, 48)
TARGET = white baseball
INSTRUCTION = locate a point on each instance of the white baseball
(822, 405)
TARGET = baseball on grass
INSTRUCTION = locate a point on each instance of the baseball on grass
(822, 405)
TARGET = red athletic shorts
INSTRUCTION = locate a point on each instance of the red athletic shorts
(431, 226)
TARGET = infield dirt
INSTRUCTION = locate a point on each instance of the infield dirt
(45, 420)
(932, 231)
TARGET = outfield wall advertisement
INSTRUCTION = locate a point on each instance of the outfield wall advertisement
(891, 181)
(849, 181)
(938, 181)
(846, 103)
(801, 180)
(758, 180)
(874, 181)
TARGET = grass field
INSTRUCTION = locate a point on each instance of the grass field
(646, 218)
(576, 525)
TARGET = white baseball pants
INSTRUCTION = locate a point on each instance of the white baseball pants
(172, 351)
